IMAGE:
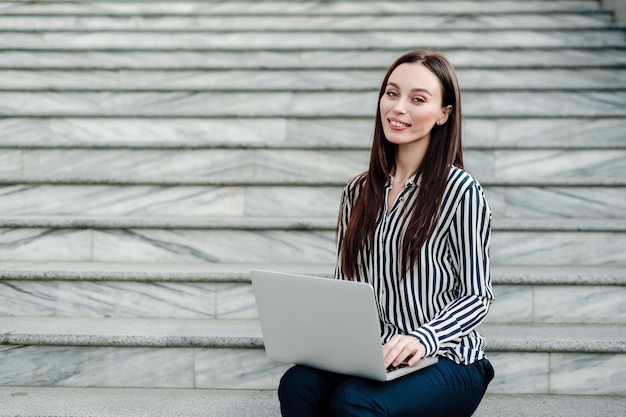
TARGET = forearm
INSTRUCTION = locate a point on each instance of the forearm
(459, 319)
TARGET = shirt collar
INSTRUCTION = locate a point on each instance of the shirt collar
(408, 183)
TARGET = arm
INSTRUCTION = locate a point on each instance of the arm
(348, 197)
(470, 237)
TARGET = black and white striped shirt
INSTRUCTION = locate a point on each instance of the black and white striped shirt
(447, 293)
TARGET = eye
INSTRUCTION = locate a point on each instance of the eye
(392, 93)
(418, 100)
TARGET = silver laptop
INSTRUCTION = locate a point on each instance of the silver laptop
(323, 323)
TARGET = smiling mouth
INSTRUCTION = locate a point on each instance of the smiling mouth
(397, 123)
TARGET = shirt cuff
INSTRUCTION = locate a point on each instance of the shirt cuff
(427, 337)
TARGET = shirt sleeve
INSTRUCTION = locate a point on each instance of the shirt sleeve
(342, 224)
(470, 232)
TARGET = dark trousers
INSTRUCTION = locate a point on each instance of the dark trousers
(445, 389)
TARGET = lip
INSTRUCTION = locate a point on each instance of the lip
(397, 124)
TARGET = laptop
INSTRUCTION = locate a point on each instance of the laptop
(324, 323)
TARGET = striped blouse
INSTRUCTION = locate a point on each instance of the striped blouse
(447, 293)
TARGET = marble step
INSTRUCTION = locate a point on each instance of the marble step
(240, 273)
(547, 242)
(599, 19)
(286, 8)
(299, 80)
(314, 104)
(232, 166)
(138, 402)
(569, 56)
(523, 294)
(506, 201)
(329, 40)
(284, 223)
(295, 133)
(214, 354)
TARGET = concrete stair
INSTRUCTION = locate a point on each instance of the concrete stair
(152, 153)
(140, 402)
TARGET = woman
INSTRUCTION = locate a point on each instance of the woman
(417, 228)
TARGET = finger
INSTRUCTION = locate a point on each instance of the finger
(408, 350)
(417, 355)
(391, 350)
(403, 355)
(399, 350)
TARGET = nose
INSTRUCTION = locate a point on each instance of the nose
(399, 107)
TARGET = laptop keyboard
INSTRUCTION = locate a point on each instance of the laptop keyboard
(392, 368)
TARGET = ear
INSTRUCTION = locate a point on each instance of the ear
(445, 113)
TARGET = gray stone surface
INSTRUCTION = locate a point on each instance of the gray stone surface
(136, 136)
(516, 166)
(555, 338)
(310, 8)
(83, 331)
(293, 133)
(94, 271)
(281, 223)
(508, 201)
(166, 353)
(84, 402)
(523, 295)
(277, 40)
(303, 80)
(130, 332)
(568, 57)
(295, 104)
(296, 23)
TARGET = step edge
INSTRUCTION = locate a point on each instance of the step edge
(149, 272)
(281, 223)
(247, 334)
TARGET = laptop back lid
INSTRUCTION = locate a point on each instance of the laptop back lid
(324, 323)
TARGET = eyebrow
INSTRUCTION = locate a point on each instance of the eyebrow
(421, 90)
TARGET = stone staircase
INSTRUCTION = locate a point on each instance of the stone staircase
(152, 153)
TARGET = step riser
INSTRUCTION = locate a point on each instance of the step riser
(558, 304)
(312, 40)
(558, 373)
(296, 104)
(237, 164)
(319, 134)
(184, 201)
(557, 202)
(275, 246)
(302, 201)
(376, 59)
(226, 246)
(128, 299)
(299, 23)
(62, 366)
(221, 300)
(188, 8)
(314, 80)
(76, 366)
(255, 165)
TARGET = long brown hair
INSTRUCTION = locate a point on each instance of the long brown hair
(444, 150)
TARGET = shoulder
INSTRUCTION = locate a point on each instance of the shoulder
(356, 182)
(353, 188)
(461, 180)
(461, 186)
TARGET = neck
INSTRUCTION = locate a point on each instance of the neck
(408, 160)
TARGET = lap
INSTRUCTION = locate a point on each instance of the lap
(445, 388)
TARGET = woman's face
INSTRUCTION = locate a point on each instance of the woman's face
(411, 105)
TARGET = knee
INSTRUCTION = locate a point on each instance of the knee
(298, 382)
(352, 399)
(289, 381)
